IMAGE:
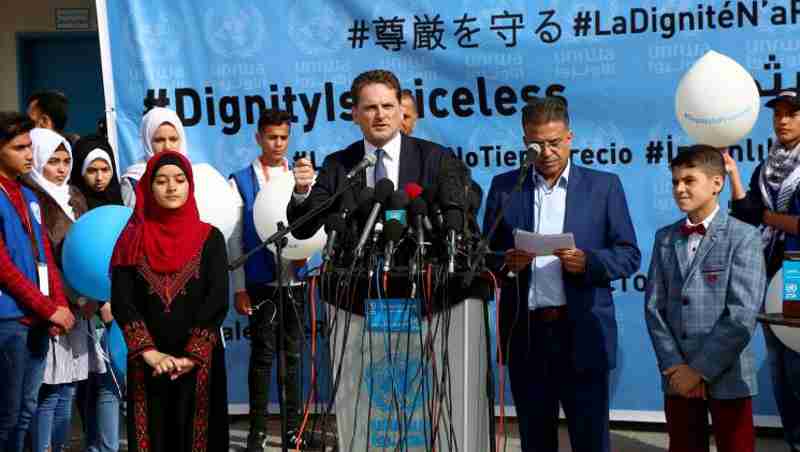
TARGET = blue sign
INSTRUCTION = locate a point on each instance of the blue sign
(471, 65)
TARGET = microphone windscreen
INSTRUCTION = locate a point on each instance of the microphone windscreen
(348, 201)
(398, 200)
(431, 194)
(383, 190)
(418, 207)
(454, 219)
(413, 190)
(393, 230)
(365, 200)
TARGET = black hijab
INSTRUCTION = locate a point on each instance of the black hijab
(112, 194)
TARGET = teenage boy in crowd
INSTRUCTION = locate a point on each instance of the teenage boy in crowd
(32, 301)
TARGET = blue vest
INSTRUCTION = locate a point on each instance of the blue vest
(260, 268)
(18, 246)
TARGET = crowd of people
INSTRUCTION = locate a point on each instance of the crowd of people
(558, 332)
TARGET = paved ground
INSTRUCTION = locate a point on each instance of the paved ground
(625, 437)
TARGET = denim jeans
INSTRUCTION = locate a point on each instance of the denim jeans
(98, 402)
(22, 361)
(784, 366)
(53, 421)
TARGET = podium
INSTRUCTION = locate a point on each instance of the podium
(409, 383)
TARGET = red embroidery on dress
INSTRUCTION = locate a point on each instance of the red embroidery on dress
(168, 286)
(201, 344)
(137, 338)
(200, 424)
(139, 395)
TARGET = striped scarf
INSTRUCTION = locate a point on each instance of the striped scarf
(780, 175)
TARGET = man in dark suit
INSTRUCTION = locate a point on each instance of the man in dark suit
(400, 158)
(557, 325)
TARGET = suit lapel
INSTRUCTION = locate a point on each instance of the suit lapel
(576, 199)
(410, 168)
(679, 244)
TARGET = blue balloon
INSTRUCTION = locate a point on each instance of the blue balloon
(86, 255)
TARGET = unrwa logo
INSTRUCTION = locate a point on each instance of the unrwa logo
(36, 211)
(397, 384)
(235, 31)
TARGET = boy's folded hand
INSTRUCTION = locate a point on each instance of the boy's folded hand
(684, 380)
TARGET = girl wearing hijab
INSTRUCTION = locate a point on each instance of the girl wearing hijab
(67, 359)
(98, 398)
(161, 130)
(169, 283)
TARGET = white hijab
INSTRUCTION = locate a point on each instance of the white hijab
(45, 143)
(97, 154)
(150, 123)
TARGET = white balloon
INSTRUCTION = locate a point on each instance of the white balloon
(717, 101)
(270, 208)
(774, 305)
(215, 198)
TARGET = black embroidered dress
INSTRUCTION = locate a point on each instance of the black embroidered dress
(178, 314)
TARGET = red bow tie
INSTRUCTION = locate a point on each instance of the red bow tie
(696, 229)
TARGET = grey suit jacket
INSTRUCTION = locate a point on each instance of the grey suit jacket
(703, 313)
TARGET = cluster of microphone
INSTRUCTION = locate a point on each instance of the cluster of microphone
(396, 227)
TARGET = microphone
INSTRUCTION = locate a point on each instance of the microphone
(393, 231)
(383, 190)
(413, 190)
(419, 211)
(397, 207)
(454, 221)
(336, 224)
(369, 160)
(430, 194)
(533, 151)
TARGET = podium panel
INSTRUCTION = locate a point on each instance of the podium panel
(409, 383)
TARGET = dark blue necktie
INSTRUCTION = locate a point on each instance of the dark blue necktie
(380, 168)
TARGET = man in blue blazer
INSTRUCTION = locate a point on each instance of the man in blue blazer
(557, 326)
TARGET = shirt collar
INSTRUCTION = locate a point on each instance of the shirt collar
(391, 149)
(562, 180)
(707, 222)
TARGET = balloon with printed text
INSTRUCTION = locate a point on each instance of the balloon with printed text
(717, 101)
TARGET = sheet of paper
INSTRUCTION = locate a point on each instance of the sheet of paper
(542, 244)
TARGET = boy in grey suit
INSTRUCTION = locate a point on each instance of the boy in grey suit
(705, 286)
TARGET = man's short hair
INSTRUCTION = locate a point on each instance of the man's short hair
(701, 156)
(13, 124)
(374, 76)
(542, 110)
(406, 93)
(54, 104)
(273, 117)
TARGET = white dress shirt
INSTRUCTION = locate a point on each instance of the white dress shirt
(391, 160)
(549, 210)
(694, 239)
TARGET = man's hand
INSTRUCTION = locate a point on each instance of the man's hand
(242, 303)
(683, 379)
(63, 318)
(105, 313)
(516, 260)
(573, 260)
(303, 176)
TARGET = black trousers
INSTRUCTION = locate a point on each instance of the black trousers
(264, 350)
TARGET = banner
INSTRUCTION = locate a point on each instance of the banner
(471, 68)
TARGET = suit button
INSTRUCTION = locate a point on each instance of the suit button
(686, 302)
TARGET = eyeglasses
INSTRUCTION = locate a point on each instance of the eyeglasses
(544, 144)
